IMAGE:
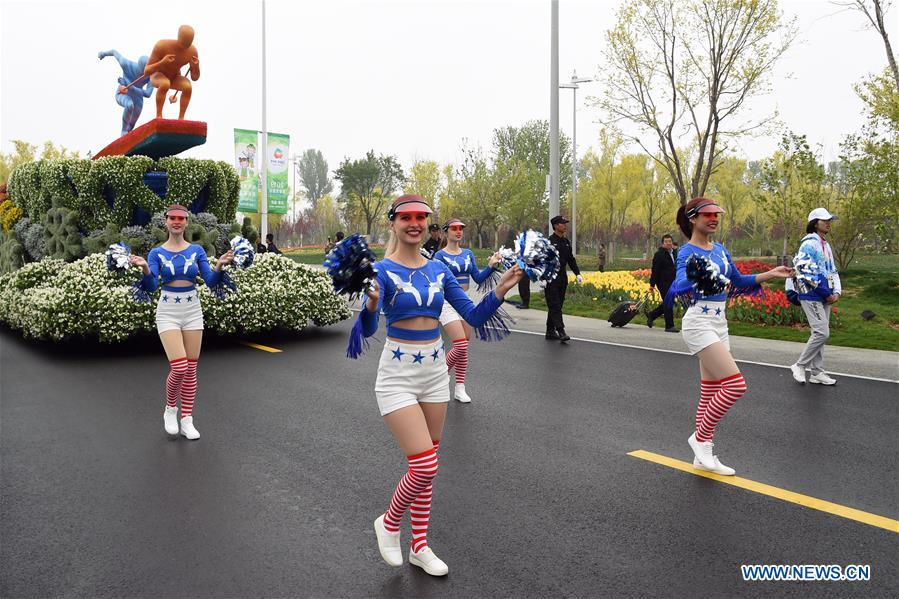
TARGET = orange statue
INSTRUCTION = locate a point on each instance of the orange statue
(164, 68)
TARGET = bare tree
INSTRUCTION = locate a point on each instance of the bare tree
(874, 14)
(678, 69)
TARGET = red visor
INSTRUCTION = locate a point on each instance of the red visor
(413, 207)
(409, 203)
(705, 208)
(455, 222)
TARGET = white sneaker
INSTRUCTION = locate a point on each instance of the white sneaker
(187, 428)
(460, 394)
(822, 379)
(170, 417)
(719, 467)
(427, 561)
(388, 543)
(703, 452)
(798, 373)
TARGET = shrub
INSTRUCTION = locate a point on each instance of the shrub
(62, 238)
(79, 185)
(55, 300)
(139, 239)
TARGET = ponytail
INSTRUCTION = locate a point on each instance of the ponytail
(686, 227)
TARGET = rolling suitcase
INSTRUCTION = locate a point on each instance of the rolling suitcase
(625, 312)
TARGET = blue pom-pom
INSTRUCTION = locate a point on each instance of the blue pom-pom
(535, 254)
(225, 286)
(139, 294)
(357, 343)
(350, 266)
(243, 253)
(705, 276)
(117, 258)
(497, 326)
(489, 284)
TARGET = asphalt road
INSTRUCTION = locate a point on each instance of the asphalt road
(536, 496)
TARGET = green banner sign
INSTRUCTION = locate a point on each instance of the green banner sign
(245, 161)
(278, 149)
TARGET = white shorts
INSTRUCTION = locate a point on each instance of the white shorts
(409, 373)
(179, 310)
(705, 323)
(448, 314)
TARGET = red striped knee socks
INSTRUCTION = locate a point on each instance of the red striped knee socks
(729, 391)
(422, 470)
(189, 389)
(177, 370)
(458, 358)
(420, 514)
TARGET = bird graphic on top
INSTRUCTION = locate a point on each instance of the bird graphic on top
(188, 262)
(168, 264)
(404, 286)
(452, 263)
(434, 287)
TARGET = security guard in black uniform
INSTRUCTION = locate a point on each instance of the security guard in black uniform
(555, 290)
(433, 244)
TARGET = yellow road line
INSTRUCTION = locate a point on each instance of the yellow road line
(782, 494)
(271, 350)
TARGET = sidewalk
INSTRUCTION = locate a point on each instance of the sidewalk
(870, 363)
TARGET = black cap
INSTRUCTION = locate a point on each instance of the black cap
(433, 227)
(559, 220)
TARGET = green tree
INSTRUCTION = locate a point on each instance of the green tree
(425, 179)
(313, 171)
(529, 145)
(25, 152)
(367, 187)
(476, 197)
(324, 219)
(793, 183)
(682, 70)
(731, 186)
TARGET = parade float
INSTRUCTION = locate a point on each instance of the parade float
(58, 218)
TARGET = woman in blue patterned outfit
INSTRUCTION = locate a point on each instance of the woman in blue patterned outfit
(462, 264)
(704, 326)
(412, 387)
(179, 318)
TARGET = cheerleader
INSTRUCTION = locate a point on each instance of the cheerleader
(412, 386)
(462, 264)
(704, 326)
(179, 318)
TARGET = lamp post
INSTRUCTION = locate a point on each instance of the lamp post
(573, 86)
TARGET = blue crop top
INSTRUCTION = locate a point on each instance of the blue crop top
(409, 292)
(719, 256)
(463, 265)
(178, 266)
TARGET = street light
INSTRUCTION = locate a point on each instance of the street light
(573, 86)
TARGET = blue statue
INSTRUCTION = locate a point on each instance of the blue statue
(134, 86)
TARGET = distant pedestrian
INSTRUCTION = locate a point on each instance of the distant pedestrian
(664, 268)
(601, 257)
(270, 244)
(817, 302)
(431, 246)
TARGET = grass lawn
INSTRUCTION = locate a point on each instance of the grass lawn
(871, 284)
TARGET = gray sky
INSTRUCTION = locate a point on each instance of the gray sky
(407, 78)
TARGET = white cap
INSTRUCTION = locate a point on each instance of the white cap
(821, 214)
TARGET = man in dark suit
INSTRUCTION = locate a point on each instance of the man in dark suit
(433, 243)
(555, 290)
(664, 268)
